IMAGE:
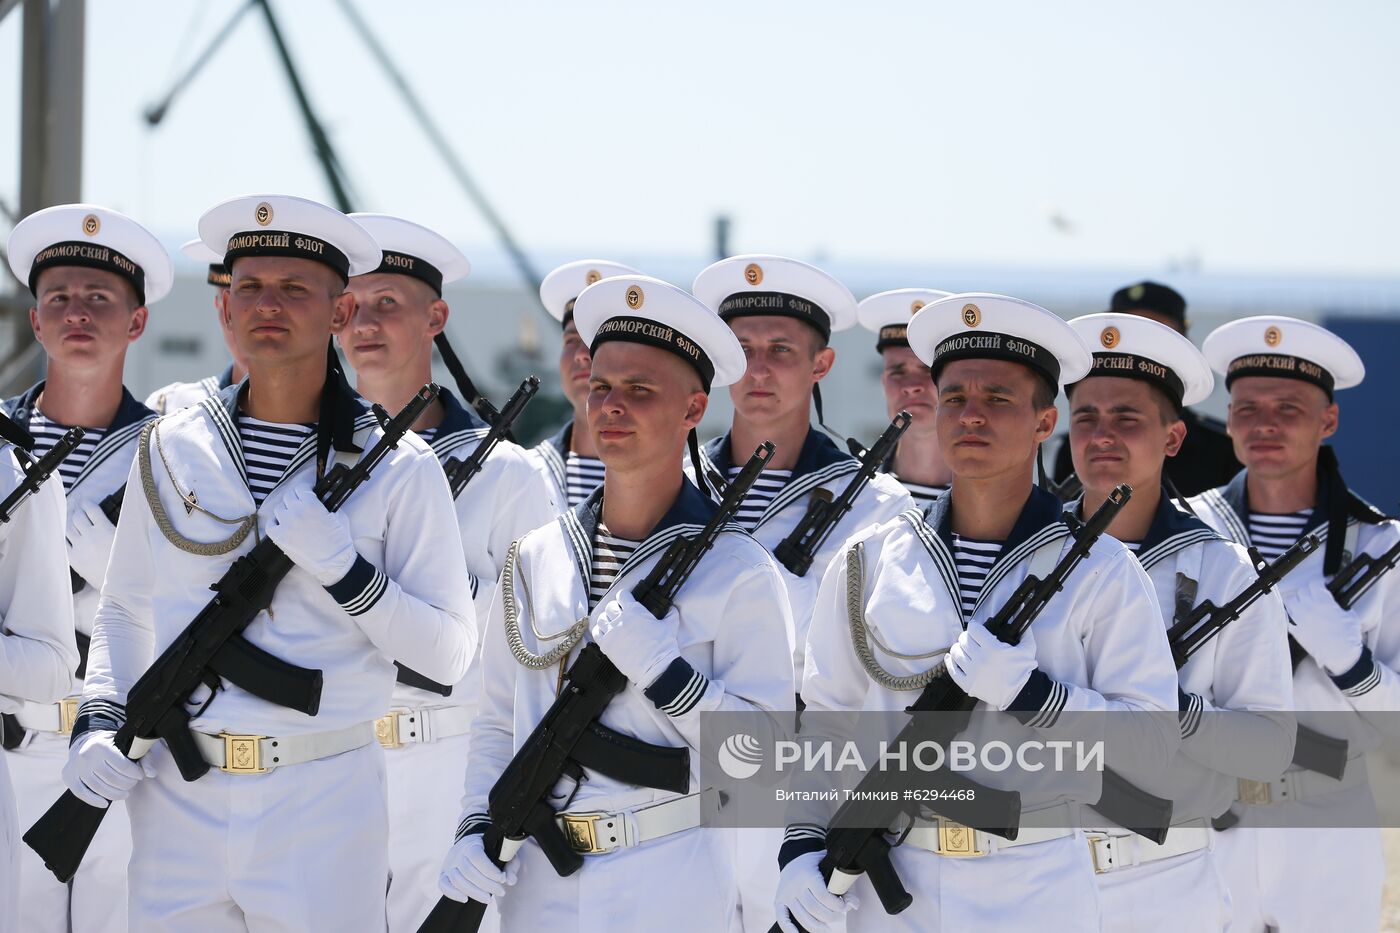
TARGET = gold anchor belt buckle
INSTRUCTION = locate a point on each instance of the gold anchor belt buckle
(957, 841)
(581, 829)
(386, 730)
(242, 754)
(67, 714)
(1255, 793)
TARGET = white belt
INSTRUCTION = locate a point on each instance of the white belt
(954, 840)
(1301, 784)
(258, 754)
(400, 727)
(599, 833)
(50, 717)
(1114, 852)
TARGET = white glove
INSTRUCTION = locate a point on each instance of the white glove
(1331, 634)
(988, 668)
(98, 773)
(316, 540)
(90, 536)
(641, 645)
(468, 874)
(802, 897)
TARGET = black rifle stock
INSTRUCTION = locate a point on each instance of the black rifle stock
(1186, 636)
(37, 470)
(857, 850)
(797, 550)
(517, 803)
(155, 707)
(459, 473)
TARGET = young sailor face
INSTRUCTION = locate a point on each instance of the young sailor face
(575, 366)
(1278, 424)
(85, 316)
(988, 423)
(784, 363)
(281, 310)
(393, 324)
(1119, 432)
(908, 387)
(642, 402)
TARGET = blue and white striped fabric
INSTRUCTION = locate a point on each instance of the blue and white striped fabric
(762, 492)
(47, 433)
(974, 560)
(267, 449)
(1274, 534)
(582, 476)
(609, 554)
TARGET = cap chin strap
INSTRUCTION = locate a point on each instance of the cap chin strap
(692, 441)
(335, 426)
(854, 446)
(1176, 493)
(1341, 506)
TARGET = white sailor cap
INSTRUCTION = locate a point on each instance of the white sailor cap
(641, 309)
(978, 325)
(1133, 347)
(1285, 348)
(414, 250)
(563, 285)
(758, 285)
(95, 238)
(218, 274)
(282, 225)
(887, 314)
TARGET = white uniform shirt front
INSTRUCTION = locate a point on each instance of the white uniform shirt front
(407, 598)
(178, 395)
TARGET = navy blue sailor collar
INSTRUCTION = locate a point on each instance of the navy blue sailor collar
(1041, 510)
(561, 438)
(459, 425)
(129, 410)
(1172, 529)
(690, 511)
(818, 452)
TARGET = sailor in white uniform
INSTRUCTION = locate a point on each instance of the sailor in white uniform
(92, 272)
(38, 652)
(568, 458)
(179, 395)
(288, 830)
(399, 315)
(928, 583)
(1236, 691)
(784, 311)
(917, 462)
(1327, 869)
(656, 352)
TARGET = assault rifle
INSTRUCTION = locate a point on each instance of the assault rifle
(1186, 636)
(38, 470)
(570, 738)
(459, 473)
(852, 851)
(212, 644)
(796, 551)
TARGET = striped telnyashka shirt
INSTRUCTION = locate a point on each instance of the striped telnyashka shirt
(974, 560)
(1274, 534)
(609, 554)
(582, 475)
(768, 485)
(267, 449)
(47, 433)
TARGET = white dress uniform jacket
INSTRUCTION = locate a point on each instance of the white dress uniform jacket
(180, 395)
(98, 897)
(733, 634)
(38, 652)
(1100, 647)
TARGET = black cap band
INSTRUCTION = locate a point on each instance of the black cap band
(90, 256)
(988, 345)
(653, 334)
(1131, 366)
(779, 304)
(404, 264)
(892, 335)
(219, 275)
(282, 243)
(1280, 366)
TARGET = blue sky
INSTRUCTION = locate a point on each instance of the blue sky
(1246, 135)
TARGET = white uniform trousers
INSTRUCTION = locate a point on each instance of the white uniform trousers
(682, 883)
(95, 902)
(9, 854)
(756, 864)
(1186, 892)
(1311, 878)
(302, 848)
(1041, 887)
(425, 801)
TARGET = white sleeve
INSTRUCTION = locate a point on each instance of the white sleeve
(38, 651)
(1372, 685)
(514, 498)
(417, 608)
